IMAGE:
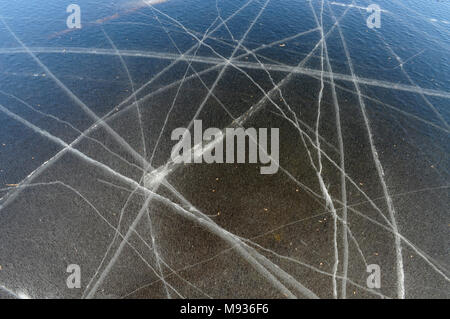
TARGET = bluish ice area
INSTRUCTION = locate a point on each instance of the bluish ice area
(87, 177)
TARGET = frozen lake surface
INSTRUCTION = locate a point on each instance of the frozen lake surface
(87, 178)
